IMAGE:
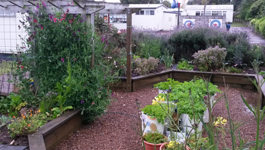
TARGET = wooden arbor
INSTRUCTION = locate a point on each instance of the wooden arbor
(84, 7)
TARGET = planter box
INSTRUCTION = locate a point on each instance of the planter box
(52, 133)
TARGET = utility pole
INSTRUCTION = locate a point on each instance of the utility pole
(178, 12)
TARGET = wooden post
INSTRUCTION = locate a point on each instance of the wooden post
(90, 21)
(129, 52)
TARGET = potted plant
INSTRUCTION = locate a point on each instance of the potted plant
(154, 140)
(163, 87)
(173, 145)
(153, 116)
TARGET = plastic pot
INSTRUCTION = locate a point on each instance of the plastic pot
(164, 145)
(150, 146)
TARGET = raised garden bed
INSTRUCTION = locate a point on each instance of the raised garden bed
(55, 131)
(232, 79)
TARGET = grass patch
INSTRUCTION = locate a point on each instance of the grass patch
(5, 67)
(237, 24)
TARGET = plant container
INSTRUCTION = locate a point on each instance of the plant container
(206, 112)
(150, 146)
(150, 124)
(163, 146)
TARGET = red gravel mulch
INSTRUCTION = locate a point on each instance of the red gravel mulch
(114, 131)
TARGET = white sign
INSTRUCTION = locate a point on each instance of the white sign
(189, 23)
(216, 23)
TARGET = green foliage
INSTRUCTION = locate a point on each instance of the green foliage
(234, 70)
(54, 39)
(57, 111)
(184, 65)
(100, 25)
(170, 83)
(48, 102)
(187, 42)
(4, 105)
(201, 143)
(173, 145)
(158, 111)
(14, 104)
(155, 138)
(4, 120)
(167, 59)
(150, 48)
(27, 124)
(256, 9)
(167, 4)
(191, 92)
(144, 66)
(210, 59)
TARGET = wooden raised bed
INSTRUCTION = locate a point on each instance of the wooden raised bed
(232, 79)
(55, 131)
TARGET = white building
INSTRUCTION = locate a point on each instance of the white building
(211, 10)
(159, 17)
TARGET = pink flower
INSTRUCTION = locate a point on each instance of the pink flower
(62, 59)
(35, 21)
(54, 20)
(92, 103)
(22, 67)
(41, 28)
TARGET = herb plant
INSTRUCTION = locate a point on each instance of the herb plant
(158, 111)
(170, 83)
(184, 65)
(155, 138)
(4, 120)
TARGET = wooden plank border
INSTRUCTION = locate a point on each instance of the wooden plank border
(55, 131)
(232, 79)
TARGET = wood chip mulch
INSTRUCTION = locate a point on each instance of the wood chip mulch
(114, 131)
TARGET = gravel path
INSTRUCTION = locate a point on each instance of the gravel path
(252, 37)
(114, 131)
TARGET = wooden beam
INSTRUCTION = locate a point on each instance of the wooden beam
(129, 52)
(18, 4)
(4, 4)
(55, 4)
(80, 4)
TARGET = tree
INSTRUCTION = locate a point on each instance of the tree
(140, 1)
(167, 4)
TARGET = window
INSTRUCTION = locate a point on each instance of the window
(216, 13)
(141, 12)
(224, 12)
(207, 13)
(137, 13)
(147, 12)
(152, 12)
(198, 13)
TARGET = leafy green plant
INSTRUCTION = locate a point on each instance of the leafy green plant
(155, 138)
(157, 111)
(234, 70)
(209, 59)
(167, 59)
(170, 83)
(4, 120)
(4, 105)
(25, 125)
(150, 48)
(15, 104)
(184, 65)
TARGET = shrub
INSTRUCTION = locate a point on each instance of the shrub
(167, 59)
(209, 59)
(144, 66)
(55, 39)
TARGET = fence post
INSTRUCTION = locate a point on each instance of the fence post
(90, 21)
(129, 52)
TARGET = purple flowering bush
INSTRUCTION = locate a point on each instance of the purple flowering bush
(55, 42)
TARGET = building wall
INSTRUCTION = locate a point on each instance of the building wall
(169, 21)
(203, 19)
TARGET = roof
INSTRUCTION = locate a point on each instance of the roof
(209, 7)
(146, 6)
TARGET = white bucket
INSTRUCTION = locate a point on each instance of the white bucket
(187, 124)
(151, 124)
(206, 112)
(179, 136)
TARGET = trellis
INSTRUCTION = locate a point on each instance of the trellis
(84, 7)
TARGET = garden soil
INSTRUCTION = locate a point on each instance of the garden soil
(115, 129)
